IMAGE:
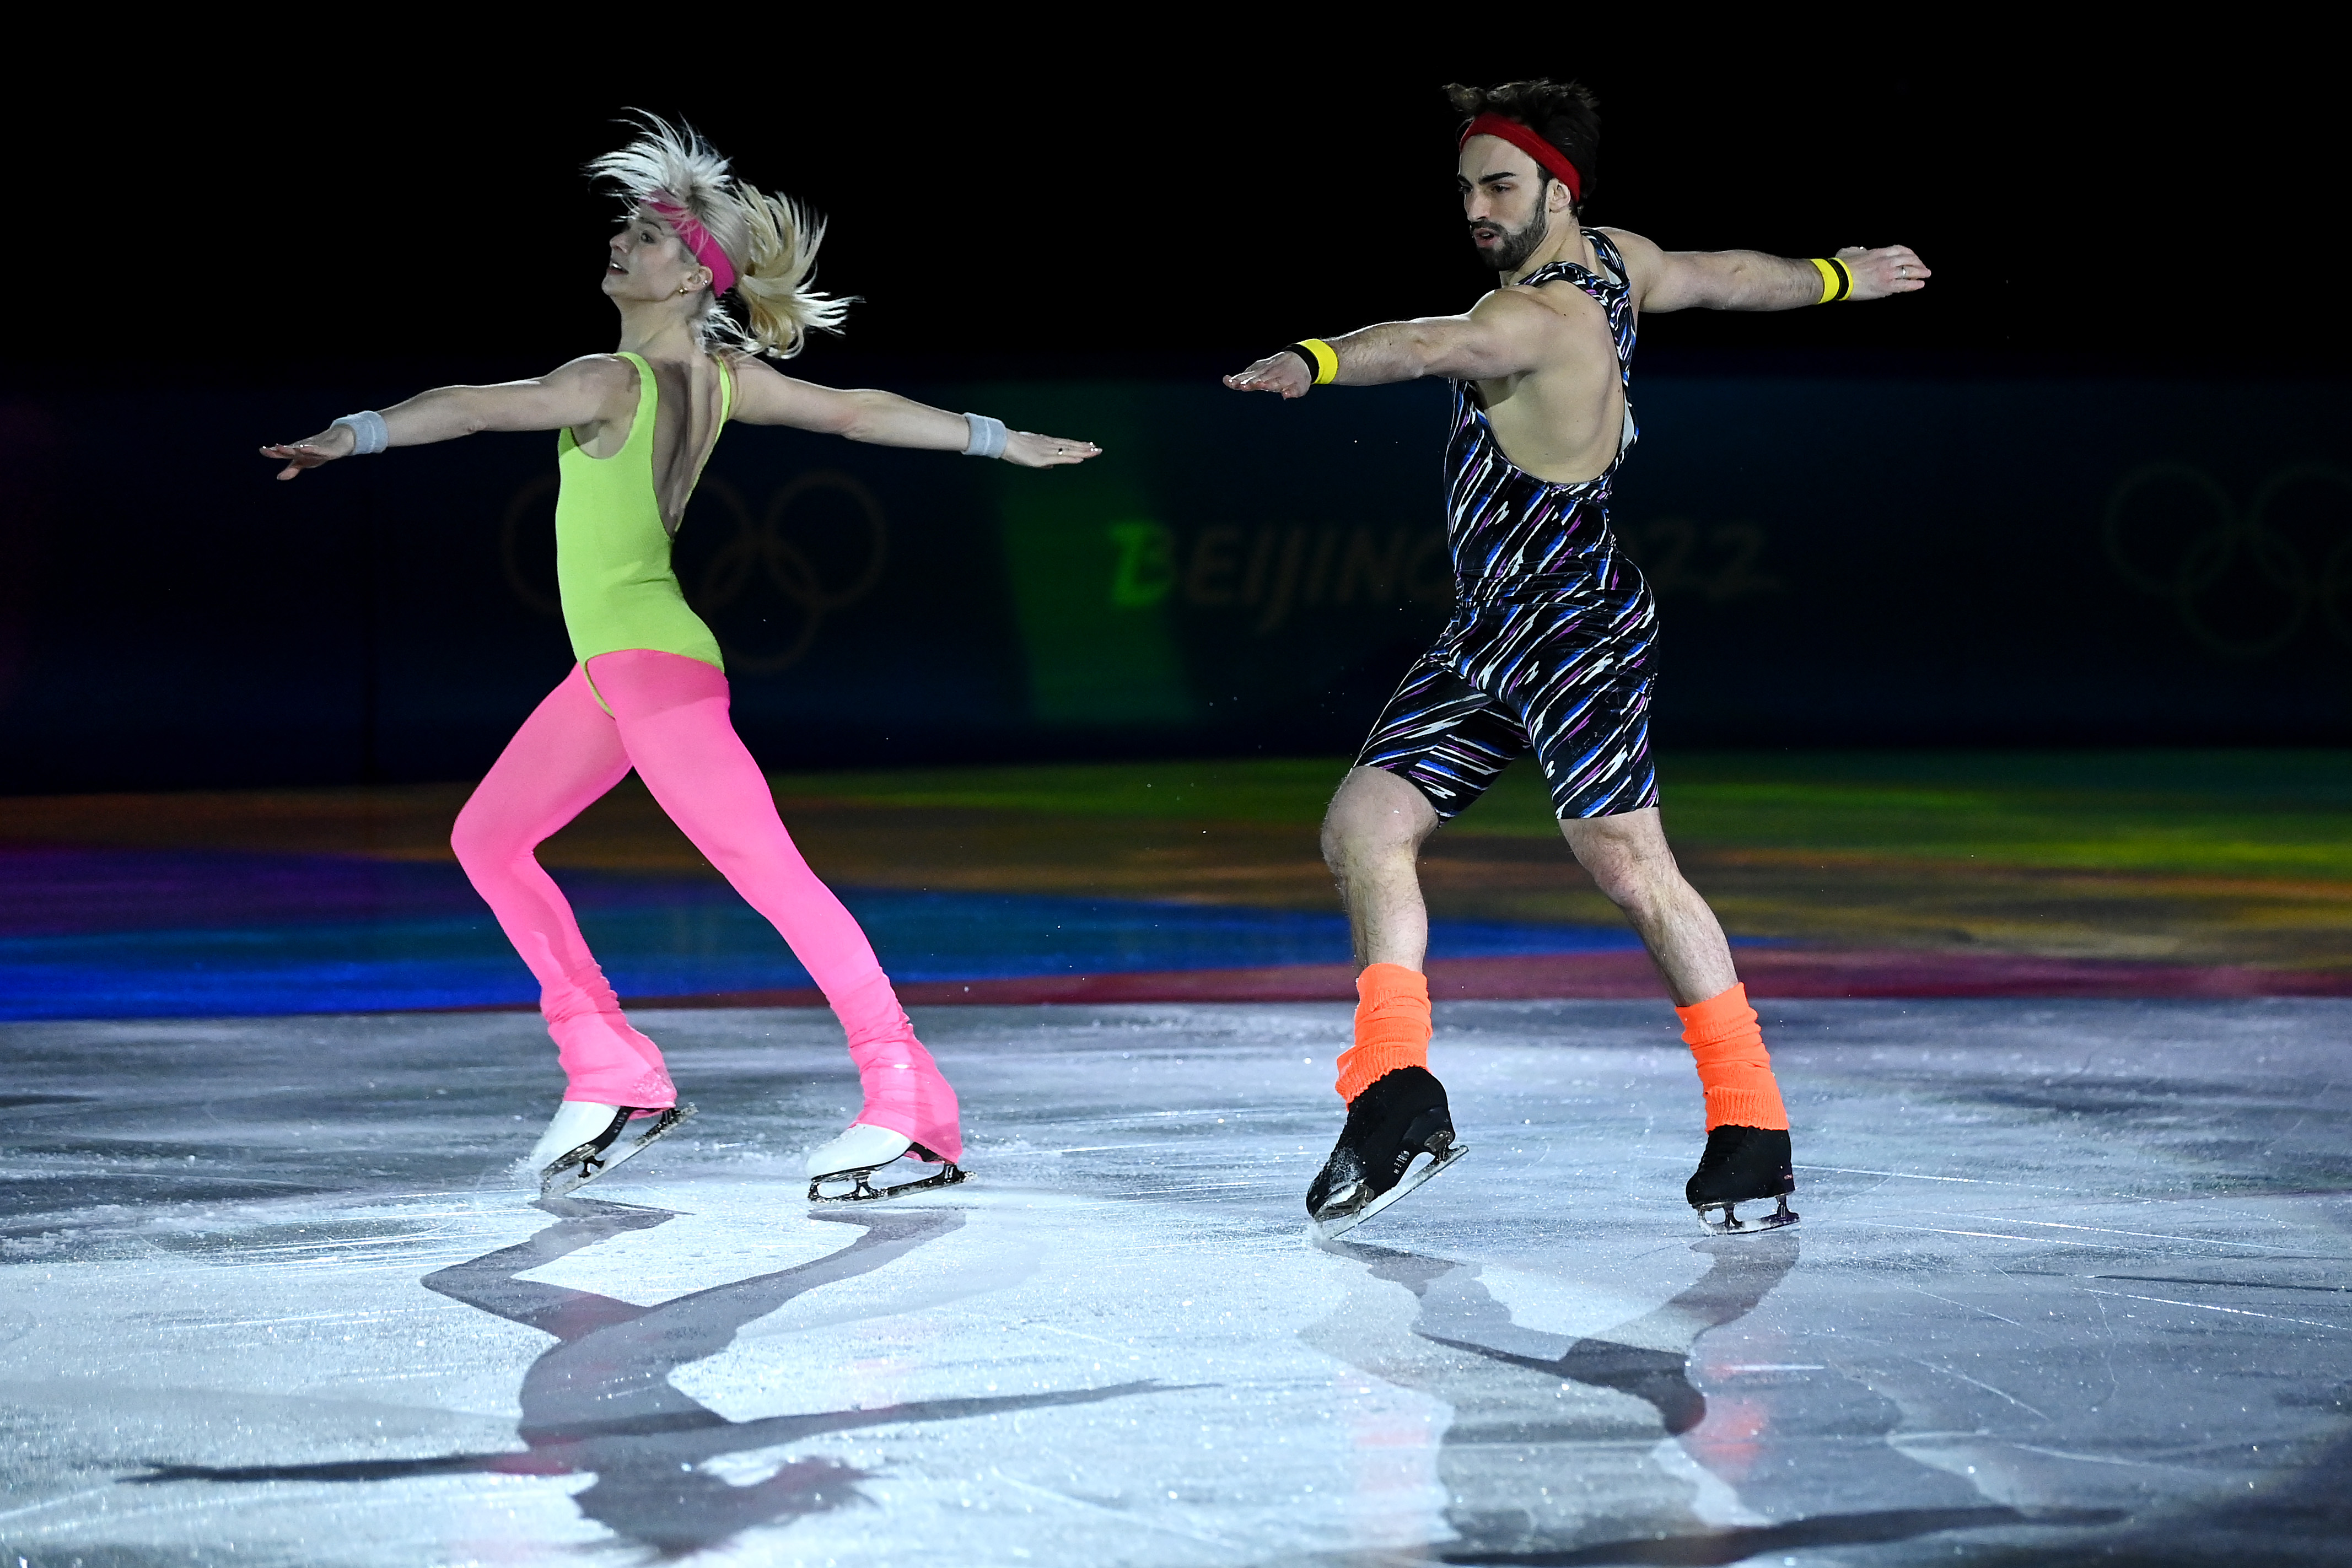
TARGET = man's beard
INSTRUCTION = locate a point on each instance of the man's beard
(1507, 254)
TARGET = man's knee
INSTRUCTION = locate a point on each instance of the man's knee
(1627, 858)
(1375, 816)
(1346, 844)
(1632, 886)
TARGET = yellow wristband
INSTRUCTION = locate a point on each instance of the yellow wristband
(1327, 359)
(1837, 283)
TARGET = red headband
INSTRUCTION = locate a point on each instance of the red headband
(696, 240)
(1528, 143)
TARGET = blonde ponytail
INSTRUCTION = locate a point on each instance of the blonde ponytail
(781, 237)
(771, 240)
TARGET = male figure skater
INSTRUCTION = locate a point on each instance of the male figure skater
(1549, 648)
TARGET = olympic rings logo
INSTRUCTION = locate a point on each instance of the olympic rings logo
(765, 553)
(757, 556)
(2224, 559)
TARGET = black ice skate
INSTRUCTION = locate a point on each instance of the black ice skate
(586, 1140)
(1401, 1116)
(1742, 1164)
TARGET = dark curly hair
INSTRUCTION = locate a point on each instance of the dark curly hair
(1565, 114)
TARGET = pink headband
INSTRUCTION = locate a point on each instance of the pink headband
(697, 240)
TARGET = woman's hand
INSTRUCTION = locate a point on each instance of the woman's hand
(1033, 451)
(335, 440)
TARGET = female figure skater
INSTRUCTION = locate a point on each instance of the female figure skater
(648, 691)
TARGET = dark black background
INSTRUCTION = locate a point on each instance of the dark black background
(1163, 190)
(225, 229)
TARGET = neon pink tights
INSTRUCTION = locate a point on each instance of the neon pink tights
(668, 720)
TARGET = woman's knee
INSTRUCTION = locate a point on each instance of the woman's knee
(484, 836)
(474, 842)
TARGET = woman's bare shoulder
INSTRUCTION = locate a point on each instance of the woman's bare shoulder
(744, 366)
(605, 373)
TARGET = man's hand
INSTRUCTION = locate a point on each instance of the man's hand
(1033, 451)
(1284, 374)
(1892, 269)
(335, 440)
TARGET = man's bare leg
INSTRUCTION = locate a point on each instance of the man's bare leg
(1746, 1153)
(1372, 836)
(1396, 1111)
(1628, 858)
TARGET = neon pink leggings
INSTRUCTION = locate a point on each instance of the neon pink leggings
(669, 721)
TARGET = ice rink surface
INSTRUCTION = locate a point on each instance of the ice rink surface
(2072, 1285)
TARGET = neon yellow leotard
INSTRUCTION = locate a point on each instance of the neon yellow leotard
(611, 553)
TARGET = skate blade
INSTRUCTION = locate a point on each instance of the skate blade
(1730, 1224)
(1325, 1229)
(862, 1191)
(586, 1162)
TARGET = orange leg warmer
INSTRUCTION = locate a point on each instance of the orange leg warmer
(1733, 1068)
(1391, 1026)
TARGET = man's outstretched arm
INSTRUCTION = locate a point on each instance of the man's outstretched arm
(1502, 335)
(1750, 280)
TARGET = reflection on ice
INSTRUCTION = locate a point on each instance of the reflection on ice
(599, 1400)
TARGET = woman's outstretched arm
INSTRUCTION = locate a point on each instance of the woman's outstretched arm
(582, 394)
(762, 396)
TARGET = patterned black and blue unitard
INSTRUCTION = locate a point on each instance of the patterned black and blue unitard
(1551, 645)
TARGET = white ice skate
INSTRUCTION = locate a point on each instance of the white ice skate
(857, 1154)
(585, 1140)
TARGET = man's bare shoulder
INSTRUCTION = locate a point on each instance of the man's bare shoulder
(1627, 240)
(1520, 308)
(1642, 254)
(1548, 325)
(1562, 311)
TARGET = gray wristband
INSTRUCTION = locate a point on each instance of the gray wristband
(988, 436)
(368, 430)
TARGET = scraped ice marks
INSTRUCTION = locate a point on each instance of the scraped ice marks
(601, 1401)
(1390, 1499)
(1647, 1357)
(1876, 1527)
(1551, 1446)
(1546, 1462)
